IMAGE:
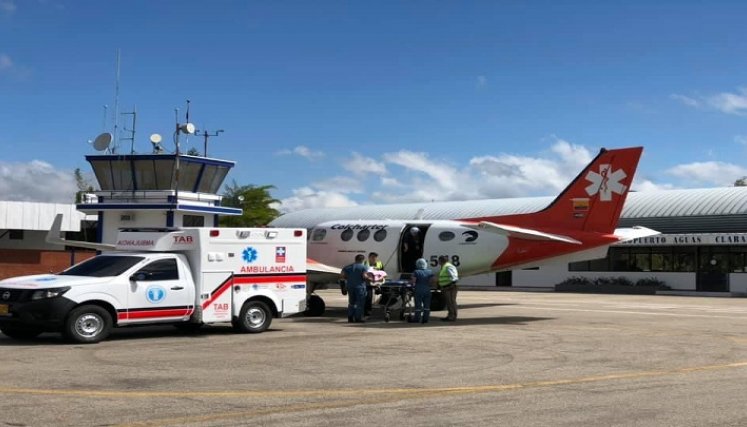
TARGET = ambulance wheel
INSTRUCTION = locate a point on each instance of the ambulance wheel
(438, 302)
(87, 324)
(20, 332)
(315, 306)
(254, 317)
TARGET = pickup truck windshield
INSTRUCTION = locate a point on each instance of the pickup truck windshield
(103, 266)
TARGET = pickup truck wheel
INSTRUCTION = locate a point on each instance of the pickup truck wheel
(254, 317)
(20, 332)
(315, 306)
(87, 324)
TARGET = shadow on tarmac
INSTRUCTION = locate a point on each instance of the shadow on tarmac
(130, 333)
(436, 322)
(334, 314)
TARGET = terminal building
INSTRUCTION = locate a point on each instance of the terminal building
(703, 245)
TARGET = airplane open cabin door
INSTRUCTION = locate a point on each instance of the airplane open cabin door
(411, 246)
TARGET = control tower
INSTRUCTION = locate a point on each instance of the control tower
(156, 190)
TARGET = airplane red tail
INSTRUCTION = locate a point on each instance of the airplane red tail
(592, 202)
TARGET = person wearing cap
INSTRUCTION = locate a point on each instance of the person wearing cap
(447, 282)
(422, 278)
(372, 263)
(356, 275)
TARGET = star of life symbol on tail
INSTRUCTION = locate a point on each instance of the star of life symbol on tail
(605, 182)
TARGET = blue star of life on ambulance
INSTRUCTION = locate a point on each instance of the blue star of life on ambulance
(249, 254)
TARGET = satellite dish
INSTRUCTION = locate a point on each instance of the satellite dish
(102, 141)
(155, 138)
(188, 128)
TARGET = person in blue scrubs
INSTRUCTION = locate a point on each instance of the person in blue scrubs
(356, 276)
(423, 278)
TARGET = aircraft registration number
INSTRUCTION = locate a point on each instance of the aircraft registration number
(454, 260)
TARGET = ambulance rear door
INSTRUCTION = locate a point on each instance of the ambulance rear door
(217, 287)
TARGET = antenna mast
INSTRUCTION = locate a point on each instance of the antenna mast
(116, 106)
(132, 131)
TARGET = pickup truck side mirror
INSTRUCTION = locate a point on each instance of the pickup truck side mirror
(139, 277)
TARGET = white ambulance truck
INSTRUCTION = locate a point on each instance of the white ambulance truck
(188, 277)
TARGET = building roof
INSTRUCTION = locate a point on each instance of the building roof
(707, 210)
(38, 216)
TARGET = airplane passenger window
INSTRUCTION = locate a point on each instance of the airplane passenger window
(346, 235)
(318, 234)
(363, 234)
(445, 236)
(380, 235)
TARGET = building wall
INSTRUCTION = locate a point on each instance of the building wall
(21, 262)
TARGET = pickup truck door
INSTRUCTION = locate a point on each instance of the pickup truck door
(160, 291)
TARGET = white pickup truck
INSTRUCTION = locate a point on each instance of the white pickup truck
(188, 277)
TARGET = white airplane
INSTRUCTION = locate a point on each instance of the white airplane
(578, 225)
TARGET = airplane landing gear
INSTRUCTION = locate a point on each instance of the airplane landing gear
(314, 306)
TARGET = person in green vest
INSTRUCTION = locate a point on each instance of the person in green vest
(372, 262)
(448, 277)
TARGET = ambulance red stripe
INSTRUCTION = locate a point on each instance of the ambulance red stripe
(269, 279)
(252, 279)
(155, 313)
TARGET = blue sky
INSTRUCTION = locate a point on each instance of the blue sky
(340, 103)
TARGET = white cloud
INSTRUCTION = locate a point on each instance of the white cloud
(482, 81)
(419, 177)
(361, 165)
(7, 6)
(308, 198)
(340, 184)
(445, 176)
(740, 139)
(36, 181)
(648, 185)
(302, 151)
(690, 102)
(730, 103)
(5, 62)
(709, 173)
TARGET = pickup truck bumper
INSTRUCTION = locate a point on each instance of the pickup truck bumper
(48, 314)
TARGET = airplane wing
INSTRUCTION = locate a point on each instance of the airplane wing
(321, 273)
(53, 237)
(520, 233)
(637, 232)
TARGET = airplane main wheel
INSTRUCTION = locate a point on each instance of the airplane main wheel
(314, 306)
(438, 302)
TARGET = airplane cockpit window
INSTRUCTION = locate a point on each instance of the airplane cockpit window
(346, 235)
(318, 234)
(445, 236)
(363, 234)
(380, 235)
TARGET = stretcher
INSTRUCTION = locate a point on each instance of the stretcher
(397, 296)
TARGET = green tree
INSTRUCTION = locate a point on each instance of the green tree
(256, 202)
(741, 182)
(84, 186)
(193, 152)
